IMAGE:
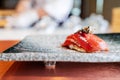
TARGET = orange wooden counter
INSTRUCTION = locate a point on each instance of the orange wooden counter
(5, 44)
(63, 71)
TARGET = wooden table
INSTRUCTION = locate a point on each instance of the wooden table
(5, 44)
(63, 71)
(9, 38)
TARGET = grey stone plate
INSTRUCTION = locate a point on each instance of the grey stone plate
(48, 48)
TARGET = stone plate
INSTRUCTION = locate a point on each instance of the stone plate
(48, 48)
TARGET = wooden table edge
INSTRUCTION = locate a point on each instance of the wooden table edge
(5, 65)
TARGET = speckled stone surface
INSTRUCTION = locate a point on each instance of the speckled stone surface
(48, 48)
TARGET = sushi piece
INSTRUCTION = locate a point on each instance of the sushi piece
(84, 41)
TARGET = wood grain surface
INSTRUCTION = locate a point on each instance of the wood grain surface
(63, 71)
(4, 65)
(5, 44)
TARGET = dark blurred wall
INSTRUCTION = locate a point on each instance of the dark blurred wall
(108, 6)
(8, 4)
(88, 7)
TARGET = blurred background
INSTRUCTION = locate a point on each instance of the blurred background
(19, 18)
